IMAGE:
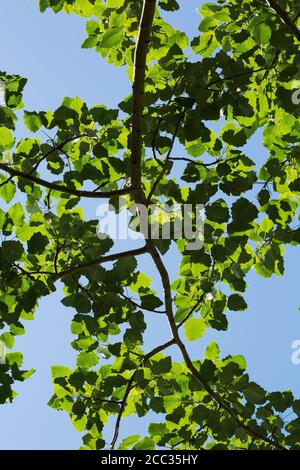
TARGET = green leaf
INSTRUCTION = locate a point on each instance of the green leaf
(12, 250)
(229, 94)
(2, 218)
(129, 442)
(243, 213)
(2, 353)
(86, 360)
(77, 380)
(79, 301)
(157, 429)
(60, 371)
(262, 33)
(32, 121)
(8, 340)
(145, 444)
(37, 243)
(43, 4)
(281, 401)
(15, 358)
(169, 5)
(234, 136)
(28, 373)
(255, 394)
(112, 37)
(150, 301)
(142, 281)
(6, 139)
(236, 302)
(262, 270)
(238, 272)
(296, 407)
(217, 211)
(212, 351)
(163, 366)
(79, 424)
(16, 213)
(194, 328)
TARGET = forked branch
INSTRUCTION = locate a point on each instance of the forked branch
(62, 188)
(130, 386)
(136, 160)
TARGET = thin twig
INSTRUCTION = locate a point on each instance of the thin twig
(167, 159)
(199, 301)
(130, 385)
(103, 259)
(55, 149)
(135, 304)
(233, 77)
(195, 162)
(62, 187)
(6, 181)
(57, 251)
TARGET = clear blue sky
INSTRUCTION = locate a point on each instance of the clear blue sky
(46, 49)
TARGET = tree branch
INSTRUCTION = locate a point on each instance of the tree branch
(61, 187)
(55, 261)
(135, 304)
(167, 159)
(297, 15)
(153, 144)
(140, 60)
(160, 120)
(56, 148)
(136, 165)
(166, 286)
(85, 290)
(199, 301)
(195, 162)
(192, 310)
(177, 340)
(285, 18)
(232, 77)
(136, 157)
(101, 260)
(130, 385)
(226, 407)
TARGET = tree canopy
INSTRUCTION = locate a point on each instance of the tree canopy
(211, 95)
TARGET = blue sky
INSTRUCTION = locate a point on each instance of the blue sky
(46, 49)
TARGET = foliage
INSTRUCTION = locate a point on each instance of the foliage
(239, 80)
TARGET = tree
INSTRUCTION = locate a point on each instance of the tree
(243, 76)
